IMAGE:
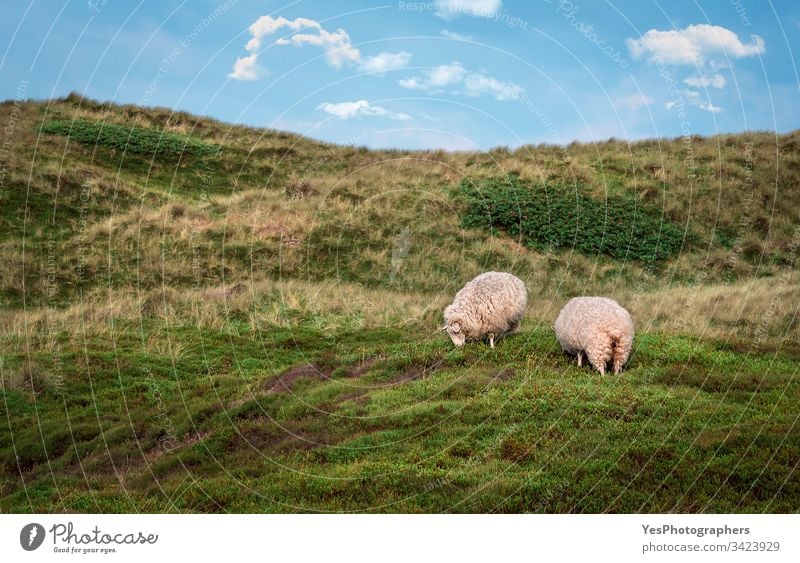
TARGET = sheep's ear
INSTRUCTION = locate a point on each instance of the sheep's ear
(443, 328)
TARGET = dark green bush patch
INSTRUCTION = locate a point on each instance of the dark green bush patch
(139, 140)
(551, 218)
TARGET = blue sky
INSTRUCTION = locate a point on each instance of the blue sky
(455, 74)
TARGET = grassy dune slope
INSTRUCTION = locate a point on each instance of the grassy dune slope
(201, 317)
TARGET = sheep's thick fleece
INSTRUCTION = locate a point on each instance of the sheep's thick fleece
(490, 305)
(598, 327)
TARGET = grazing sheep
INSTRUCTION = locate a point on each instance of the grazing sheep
(597, 327)
(490, 305)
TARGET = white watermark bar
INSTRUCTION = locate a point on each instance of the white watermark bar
(369, 538)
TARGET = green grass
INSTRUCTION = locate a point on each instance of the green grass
(554, 218)
(137, 140)
(405, 425)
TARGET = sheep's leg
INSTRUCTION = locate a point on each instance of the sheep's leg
(621, 351)
(598, 360)
(580, 359)
(491, 339)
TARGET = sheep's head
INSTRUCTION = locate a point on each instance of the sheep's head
(457, 335)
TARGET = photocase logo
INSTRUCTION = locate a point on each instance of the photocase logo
(31, 536)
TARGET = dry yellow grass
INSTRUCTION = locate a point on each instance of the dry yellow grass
(355, 237)
(763, 311)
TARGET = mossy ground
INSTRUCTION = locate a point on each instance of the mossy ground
(382, 422)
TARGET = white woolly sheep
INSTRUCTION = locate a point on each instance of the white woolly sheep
(597, 327)
(490, 305)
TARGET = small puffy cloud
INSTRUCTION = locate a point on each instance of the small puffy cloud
(706, 80)
(434, 80)
(445, 75)
(478, 85)
(385, 61)
(453, 35)
(634, 102)
(693, 45)
(267, 25)
(411, 83)
(244, 68)
(693, 98)
(360, 108)
(449, 9)
(708, 106)
(336, 44)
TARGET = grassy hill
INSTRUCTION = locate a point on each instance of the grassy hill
(199, 317)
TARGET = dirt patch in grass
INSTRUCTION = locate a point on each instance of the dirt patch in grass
(504, 374)
(358, 395)
(128, 468)
(417, 371)
(516, 450)
(268, 436)
(285, 380)
(365, 366)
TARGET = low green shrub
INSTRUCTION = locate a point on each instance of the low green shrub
(139, 140)
(548, 217)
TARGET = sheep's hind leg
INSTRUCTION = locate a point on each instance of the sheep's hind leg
(491, 340)
(580, 358)
(597, 361)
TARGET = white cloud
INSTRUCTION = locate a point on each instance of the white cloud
(692, 97)
(445, 75)
(267, 25)
(337, 45)
(244, 68)
(411, 83)
(634, 102)
(360, 108)
(385, 61)
(478, 85)
(449, 9)
(693, 45)
(434, 80)
(705, 80)
(708, 106)
(453, 35)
